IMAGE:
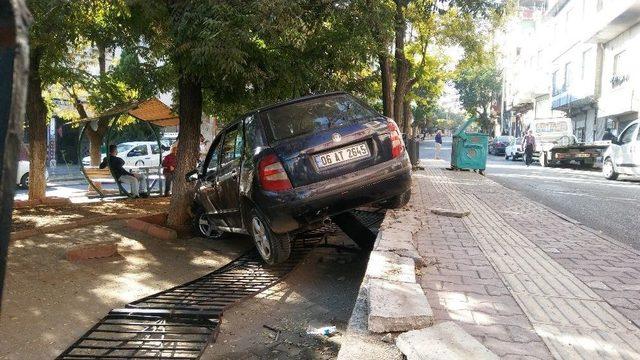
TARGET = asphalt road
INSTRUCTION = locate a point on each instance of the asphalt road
(612, 207)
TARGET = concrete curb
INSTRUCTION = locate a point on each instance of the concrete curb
(390, 273)
(23, 234)
(397, 302)
(49, 201)
(150, 226)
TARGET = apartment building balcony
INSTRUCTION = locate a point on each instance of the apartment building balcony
(616, 17)
(619, 97)
(574, 96)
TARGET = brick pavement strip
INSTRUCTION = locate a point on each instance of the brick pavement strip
(516, 275)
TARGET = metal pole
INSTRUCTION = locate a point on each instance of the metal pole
(14, 65)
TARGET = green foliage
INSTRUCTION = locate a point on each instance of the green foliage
(478, 82)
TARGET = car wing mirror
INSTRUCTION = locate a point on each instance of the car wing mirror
(191, 175)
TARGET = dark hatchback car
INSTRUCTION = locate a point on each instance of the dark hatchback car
(286, 168)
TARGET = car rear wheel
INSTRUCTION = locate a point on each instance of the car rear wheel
(506, 156)
(203, 226)
(608, 171)
(273, 248)
(24, 181)
(397, 201)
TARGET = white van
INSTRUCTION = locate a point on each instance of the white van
(135, 153)
(623, 155)
(547, 131)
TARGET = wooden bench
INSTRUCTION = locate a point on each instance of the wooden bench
(95, 174)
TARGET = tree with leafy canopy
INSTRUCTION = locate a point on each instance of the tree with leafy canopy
(60, 30)
(229, 57)
(417, 26)
(478, 82)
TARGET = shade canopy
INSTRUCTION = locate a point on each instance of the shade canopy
(151, 110)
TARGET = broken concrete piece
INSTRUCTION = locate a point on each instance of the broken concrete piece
(446, 340)
(451, 213)
(389, 266)
(92, 251)
(397, 306)
(390, 240)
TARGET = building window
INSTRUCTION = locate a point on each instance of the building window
(620, 75)
(567, 76)
(619, 63)
(555, 83)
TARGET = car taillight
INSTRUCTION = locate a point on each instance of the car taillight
(397, 145)
(272, 174)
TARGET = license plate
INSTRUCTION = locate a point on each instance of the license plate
(583, 155)
(343, 155)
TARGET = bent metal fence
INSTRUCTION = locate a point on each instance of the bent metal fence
(179, 323)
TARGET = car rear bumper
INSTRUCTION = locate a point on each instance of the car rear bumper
(307, 205)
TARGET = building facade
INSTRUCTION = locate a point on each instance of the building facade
(584, 52)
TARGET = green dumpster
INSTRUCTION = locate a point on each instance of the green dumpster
(469, 150)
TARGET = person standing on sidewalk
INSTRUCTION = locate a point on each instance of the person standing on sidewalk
(169, 164)
(438, 144)
(529, 144)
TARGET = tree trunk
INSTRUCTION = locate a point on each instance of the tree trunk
(190, 112)
(387, 84)
(37, 123)
(408, 117)
(402, 64)
(95, 142)
(14, 64)
(102, 59)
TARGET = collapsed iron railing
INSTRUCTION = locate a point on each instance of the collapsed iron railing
(179, 323)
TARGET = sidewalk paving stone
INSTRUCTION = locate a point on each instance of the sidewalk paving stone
(446, 341)
(522, 272)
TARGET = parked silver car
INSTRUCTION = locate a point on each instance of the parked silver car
(623, 155)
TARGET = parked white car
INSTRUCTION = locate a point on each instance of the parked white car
(136, 153)
(623, 155)
(514, 150)
(22, 178)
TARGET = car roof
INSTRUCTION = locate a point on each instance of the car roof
(300, 99)
(282, 103)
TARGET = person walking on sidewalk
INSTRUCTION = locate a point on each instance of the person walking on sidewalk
(529, 144)
(169, 164)
(438, 144)
(116, 165)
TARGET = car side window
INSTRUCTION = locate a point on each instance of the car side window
(140, 150)
(232, 145)
(213, 162)
(155, 149)
(627, 136)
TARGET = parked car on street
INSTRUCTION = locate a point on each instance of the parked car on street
(22, 178)
(499, 144)
(286, 168)
(135, 153)
(514, 151)
(623, 155)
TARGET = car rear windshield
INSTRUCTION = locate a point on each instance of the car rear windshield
(314, 115)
